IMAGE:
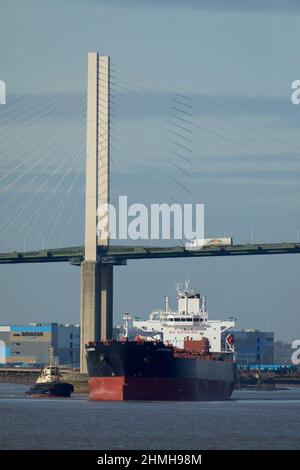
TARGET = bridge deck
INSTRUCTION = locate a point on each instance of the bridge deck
(120, 254)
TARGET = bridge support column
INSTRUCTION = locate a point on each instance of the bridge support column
(106, 300)
(89, 307)
(96, 278)
(96, 305)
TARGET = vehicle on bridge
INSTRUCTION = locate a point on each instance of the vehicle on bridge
(198, 243)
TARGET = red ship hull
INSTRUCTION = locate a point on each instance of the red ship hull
(158, 388)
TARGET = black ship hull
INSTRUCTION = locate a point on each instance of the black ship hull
(48, 390)
(133, 370)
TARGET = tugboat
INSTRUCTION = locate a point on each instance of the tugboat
(50, 382)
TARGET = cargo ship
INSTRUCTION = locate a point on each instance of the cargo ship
(174, 355)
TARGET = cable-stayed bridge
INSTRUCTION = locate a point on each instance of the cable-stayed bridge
(60, 160)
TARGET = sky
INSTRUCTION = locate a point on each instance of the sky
(234, 62)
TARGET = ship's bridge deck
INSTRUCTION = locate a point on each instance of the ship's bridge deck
(175, 318)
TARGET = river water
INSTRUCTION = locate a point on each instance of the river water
(250, 420)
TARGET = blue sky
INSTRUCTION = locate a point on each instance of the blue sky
(236, 64)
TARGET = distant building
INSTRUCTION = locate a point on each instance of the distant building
(254, 347)
(117, 331)
(283, 353)
(30, 344)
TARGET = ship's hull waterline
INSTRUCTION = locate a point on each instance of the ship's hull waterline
(51, 390)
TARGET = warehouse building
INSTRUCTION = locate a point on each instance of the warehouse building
(254, 347)
(30, 344)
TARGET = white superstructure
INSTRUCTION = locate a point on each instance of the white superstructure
(189, 322)
(50, 373)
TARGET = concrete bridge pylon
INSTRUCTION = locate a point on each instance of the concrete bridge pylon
(96, 279)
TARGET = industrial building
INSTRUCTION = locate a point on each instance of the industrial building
(254, 347)
(30, 344)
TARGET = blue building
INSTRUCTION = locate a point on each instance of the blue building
(254, 347)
